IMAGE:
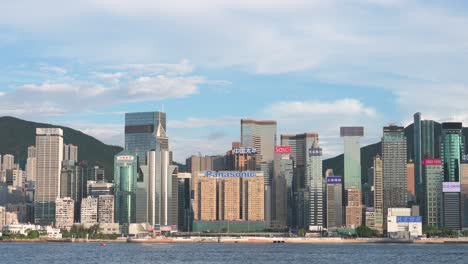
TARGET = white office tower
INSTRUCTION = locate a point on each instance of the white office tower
(157, 193)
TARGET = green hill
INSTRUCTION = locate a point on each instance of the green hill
(16, 135)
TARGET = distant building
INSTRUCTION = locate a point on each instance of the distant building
(185, 212)
(64, 212)
(352, 156)
(125, 179)
(8, 162)
(451, 206)
(31, 151)
(96, 189)
(464, 195)
(89, 211)
(432, 189)
(334, 202)
(49, 148)
(452, 150)
(73, 184)
(401, 223)
(70, 152)
(143, 131)
(261, 135)
(105, 209)
(394, 158)
(2, 216)
(411, 187)
(378, 194)
(353, 208)
(369, 220)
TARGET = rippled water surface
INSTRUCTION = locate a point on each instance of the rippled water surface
(50, 253)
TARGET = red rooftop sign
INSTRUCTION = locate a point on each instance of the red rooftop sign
(431, 162)
(282, 149)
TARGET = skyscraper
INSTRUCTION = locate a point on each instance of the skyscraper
(334, 202)
(424, 147)
(378, 193)
(143, 131)
(353, 208)
(300, 149)
(49, 147)
(73, 184)
(352, 156)
(260, 135)
(411, 183)
(394, 167)
(432, 189)
(464, 194)
(315, 186)
(125, 184)
(70, 152)
(452, 149)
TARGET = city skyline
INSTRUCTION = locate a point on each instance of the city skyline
(306, 72)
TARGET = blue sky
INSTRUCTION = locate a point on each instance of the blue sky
(312, 65)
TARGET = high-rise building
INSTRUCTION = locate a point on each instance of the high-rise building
(300, 149)
(105, 209)
(464, 194)
(353, 208)
(378, 193)
(89, 211)
(241, 160)
(2, 216)
(31, 151)
(451, 206)
(352, 156)
(432, 189)
(49, 147)
(426, 146)
(185, 212)
(394, 167)
(283, 202)
(410, 178)
(125, 185)
(261, 135)
(70, 152)
(229, 198)
(8, 162)
(452, 149)
(64, 212)
(156, 199)
(315, 186)
(96, 189)
(73, 184)
(143, 131)
(334, 202)
(31, 169)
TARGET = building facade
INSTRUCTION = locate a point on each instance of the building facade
(334, 202)
(49, 148)
(432, 189)
(125, 179)
(64, 213)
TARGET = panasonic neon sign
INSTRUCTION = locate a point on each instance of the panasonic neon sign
(230, 174)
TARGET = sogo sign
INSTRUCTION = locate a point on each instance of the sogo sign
(282, 149)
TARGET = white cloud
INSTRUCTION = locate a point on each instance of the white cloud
(193, 122)
(163, 87)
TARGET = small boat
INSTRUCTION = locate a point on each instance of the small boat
(103, 245)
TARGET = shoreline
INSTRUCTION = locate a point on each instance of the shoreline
(248, 240)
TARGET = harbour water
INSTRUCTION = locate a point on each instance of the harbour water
(88, 253)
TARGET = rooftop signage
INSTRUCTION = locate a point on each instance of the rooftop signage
(230, 174)
(409, 219)
(315, 152)
(244, 151)
(334, 180)
(282, 149)
(125, 158)
(451, 187)
(431, 162)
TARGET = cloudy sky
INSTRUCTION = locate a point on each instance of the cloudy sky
(312, 65)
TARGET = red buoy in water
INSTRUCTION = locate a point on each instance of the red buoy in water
(103, 245)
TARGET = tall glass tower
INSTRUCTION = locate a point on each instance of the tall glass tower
(125, 185)
(352, 156)
(143, 131)
(451, 150)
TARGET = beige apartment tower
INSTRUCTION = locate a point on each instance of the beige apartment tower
(64, 212)
(49, 155)
(354, 208)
